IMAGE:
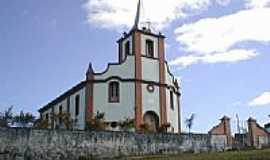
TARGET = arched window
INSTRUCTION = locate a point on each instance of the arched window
(149, 48)
(127, 48)
(77, 105)
(114, 93)
(172, 100)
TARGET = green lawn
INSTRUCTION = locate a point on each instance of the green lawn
(236, 155)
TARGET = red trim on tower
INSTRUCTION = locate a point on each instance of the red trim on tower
(138, 76)
(162, 89)
(89, 101)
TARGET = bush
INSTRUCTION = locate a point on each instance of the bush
(127, 124)
(96, 123)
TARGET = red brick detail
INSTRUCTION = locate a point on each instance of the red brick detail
(162, 89)
(223, 128)
(89, 90)
(138, 76)
(254, 132)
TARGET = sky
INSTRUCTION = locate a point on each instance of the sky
(218, 49)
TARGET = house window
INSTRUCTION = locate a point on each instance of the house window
(114, 92)
(77, 105)
(172, 100)
(149, 48)
(127, 48)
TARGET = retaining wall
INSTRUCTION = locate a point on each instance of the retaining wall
(28, 144)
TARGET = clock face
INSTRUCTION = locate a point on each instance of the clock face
(150, 88)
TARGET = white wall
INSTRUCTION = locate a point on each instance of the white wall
(172, 114)
(64, 106)
(81, 117)
(49, 111)
(150, 69)
(125, 70)
(115, 111)
(150, 101)
(169, 78)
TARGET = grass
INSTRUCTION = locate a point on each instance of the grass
(233, 155)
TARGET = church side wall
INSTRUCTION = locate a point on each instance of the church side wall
(169, 77)
(81, 117)
(172, 114)
(49, 111)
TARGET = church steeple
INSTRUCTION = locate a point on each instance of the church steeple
(137, 18)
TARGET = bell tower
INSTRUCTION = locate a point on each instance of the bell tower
(148, 51)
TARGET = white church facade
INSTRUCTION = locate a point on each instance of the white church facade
(139, 86)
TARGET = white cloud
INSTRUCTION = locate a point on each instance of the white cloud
(214, 40)
(220, 34)
(257, 3)
(261, 100)
(231, 56)
(121, 13)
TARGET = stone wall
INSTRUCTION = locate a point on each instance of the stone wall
(28, 144)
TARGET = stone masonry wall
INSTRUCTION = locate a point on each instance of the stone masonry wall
(28, 144)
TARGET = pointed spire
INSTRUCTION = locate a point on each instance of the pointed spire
(89, 72)
(137, 19)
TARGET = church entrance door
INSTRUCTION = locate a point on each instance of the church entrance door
(151, 119)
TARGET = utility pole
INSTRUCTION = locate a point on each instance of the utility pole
(238, 125)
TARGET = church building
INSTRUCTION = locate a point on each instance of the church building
(139, 87)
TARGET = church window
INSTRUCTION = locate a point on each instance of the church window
(60, 112)
(114, 92)
(127, 48)
(77, 105)
(47, 116)
(172, 100)
(149, 48)
(60, 109)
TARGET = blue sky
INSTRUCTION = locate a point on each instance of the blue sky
(218, 48)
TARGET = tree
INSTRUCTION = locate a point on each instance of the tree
(189, 122)
(41, 124)
(6, 117)
(24, 119)
(63, 119)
